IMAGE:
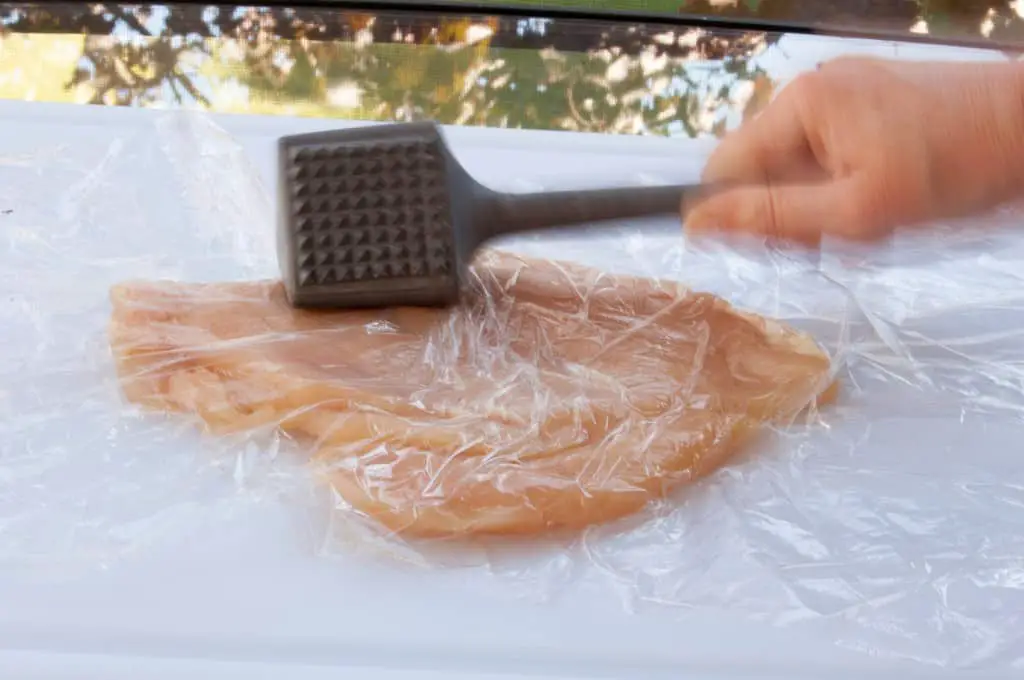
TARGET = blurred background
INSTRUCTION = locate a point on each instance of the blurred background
(523, 72)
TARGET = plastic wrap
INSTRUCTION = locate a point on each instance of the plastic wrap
(887, 521)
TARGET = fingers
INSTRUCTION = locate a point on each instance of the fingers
(773, 145)
(797, 213)
(796, 183)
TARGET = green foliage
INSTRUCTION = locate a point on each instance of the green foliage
(614, 77)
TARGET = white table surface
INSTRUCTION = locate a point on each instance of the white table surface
(137, 548)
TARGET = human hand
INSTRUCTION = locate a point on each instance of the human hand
(862, 146)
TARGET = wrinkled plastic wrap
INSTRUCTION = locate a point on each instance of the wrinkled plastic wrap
(887, 518)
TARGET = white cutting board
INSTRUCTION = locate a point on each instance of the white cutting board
(226, 581)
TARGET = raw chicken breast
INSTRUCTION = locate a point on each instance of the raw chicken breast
(555, 397)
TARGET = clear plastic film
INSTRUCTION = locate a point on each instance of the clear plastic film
(681, 448)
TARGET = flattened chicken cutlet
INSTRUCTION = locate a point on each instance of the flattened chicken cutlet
(556, 397)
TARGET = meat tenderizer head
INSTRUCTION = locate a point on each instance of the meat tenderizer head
(384, 215)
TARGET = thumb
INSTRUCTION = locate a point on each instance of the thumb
(796, 212)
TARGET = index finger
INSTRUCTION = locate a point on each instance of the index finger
(771, 147)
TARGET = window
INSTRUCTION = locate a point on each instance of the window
(659, 76)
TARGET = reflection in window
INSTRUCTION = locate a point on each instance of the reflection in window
(539, 73)
(471, 70)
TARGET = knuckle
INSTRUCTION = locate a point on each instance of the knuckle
(808, 98)
(754, 212)
(717, 166)
(805, 88)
